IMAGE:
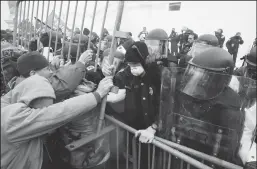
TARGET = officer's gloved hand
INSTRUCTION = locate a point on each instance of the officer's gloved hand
(146, 136)
(250, 165)
(114, 98)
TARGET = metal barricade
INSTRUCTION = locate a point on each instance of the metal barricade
(166, 150)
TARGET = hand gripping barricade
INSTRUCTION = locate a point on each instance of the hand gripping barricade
(179, 129)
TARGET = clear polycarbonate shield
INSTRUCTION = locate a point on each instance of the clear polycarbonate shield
(202, 84)
(198, 47)
(213, 126)
(157, 49)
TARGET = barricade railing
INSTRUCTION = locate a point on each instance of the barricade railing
(169, 151)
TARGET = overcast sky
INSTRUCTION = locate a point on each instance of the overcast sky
(200, 16)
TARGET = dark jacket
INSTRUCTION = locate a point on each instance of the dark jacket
(142, 96)
(221, 39)
(174, 39)
(186, 48)
(182, 38)
(233, 44)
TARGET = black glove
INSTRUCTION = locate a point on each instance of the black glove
(250, 165)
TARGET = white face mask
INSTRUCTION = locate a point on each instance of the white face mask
(137, 70)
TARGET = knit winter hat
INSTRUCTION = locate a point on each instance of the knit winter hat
(73, 51)
(86, 31)
(31, 61)
(137, 53)
(123, 48)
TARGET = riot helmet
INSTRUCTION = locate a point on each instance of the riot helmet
(204, 42)
(157, 43)
(251, 64)
(207, 74)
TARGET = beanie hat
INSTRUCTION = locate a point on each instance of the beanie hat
(137, 53)
(86, 31)
(44, 39)
(73, 51)
(31, 61)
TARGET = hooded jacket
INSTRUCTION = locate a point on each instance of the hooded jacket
(23, 128)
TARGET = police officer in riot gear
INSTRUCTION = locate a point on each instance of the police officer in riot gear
(200, 110)
(248, 70)
(247, 151)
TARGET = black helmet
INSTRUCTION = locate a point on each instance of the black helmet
(251, 57)
(157, 44)
(209, 39)
(251, 64)
(157, 34)
(203, 43)
(207, 74)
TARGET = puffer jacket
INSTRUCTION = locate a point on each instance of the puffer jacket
(23, 128)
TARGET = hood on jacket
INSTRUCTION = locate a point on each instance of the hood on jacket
(32, 88)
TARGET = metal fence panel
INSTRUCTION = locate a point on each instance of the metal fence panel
(168, 151)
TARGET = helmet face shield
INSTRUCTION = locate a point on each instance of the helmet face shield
(250, 72)
(198, 47)
(202, 84)
(156, 49)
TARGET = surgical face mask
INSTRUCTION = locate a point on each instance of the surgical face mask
(136, 69)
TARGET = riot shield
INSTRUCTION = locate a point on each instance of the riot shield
(205, 110)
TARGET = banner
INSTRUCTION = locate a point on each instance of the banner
(175, 6)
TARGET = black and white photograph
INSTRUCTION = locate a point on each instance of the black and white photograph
(128, 85)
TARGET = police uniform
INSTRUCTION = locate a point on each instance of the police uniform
(141, 102)
(199, 113)
(142, 93)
